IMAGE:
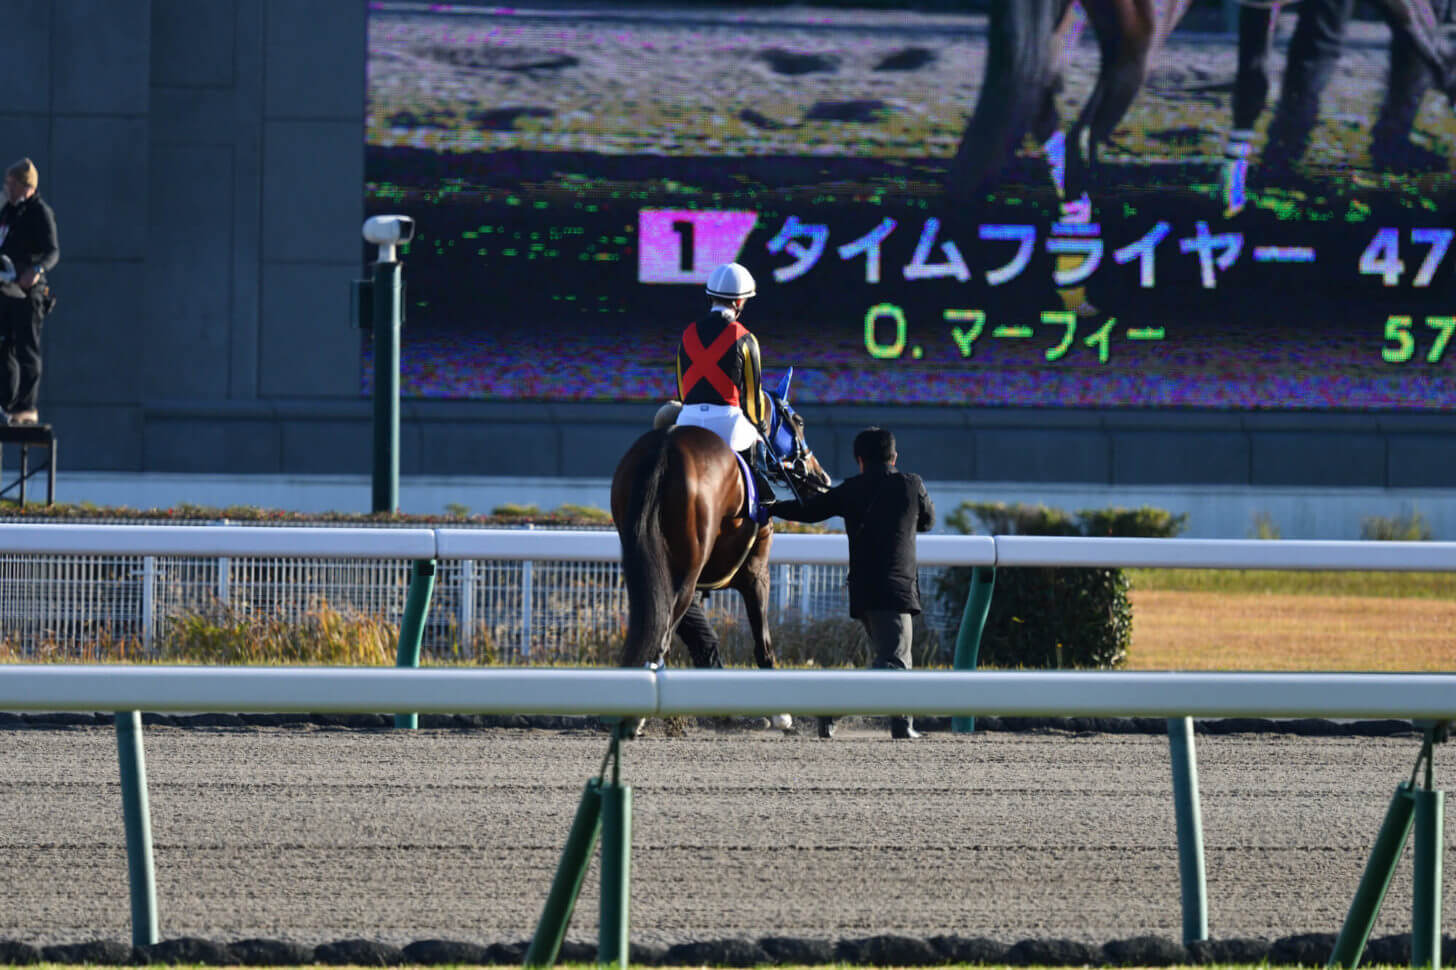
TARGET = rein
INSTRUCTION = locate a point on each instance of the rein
(793, 466)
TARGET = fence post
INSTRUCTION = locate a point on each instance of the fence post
(149, 601)
(1190, 829)
(412, 627)
(527, 577)
(224, 580)
(968, 638)
(1375, 880)
(581, 842)
(137, 819)
(1430, 814)
(612, 939)
(467, 606)
(780, 583)
(224, 574)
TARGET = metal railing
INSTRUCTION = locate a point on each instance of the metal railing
(1177, 695)
(511, 605)
(514, 611)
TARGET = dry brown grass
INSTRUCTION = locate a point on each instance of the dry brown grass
(1180, 630)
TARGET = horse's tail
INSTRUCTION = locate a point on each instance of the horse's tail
(645, 567)
(1018, 72)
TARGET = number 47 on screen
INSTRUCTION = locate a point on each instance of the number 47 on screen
(1382, 257)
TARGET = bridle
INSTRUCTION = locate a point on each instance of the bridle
(794, 460)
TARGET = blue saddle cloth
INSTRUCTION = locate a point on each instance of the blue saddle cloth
(750, 490)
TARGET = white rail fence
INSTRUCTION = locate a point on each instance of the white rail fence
(513, 610)
(519, 595)
(1176, 696)
(645, 693)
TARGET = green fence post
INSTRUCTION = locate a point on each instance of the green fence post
(581, 842)
(1430, 813)
(1189, 817)
(612, 936)
(968, 638)
(412, 627)
(1394, 829)
(137, 818)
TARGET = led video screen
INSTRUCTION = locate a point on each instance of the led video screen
(926, 219)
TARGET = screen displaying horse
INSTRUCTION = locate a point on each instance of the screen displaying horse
(1100, 203)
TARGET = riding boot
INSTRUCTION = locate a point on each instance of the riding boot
(752, 455)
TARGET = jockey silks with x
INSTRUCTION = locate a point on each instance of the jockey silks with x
(719, 378)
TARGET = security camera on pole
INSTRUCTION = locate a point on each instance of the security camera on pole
(382, 311)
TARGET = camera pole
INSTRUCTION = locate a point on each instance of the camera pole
(386, 384)
(379, 308)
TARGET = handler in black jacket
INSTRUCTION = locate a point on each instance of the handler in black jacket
(882, 510)
(28, 240)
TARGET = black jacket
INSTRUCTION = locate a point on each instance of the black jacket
(30, 234)
(882, 511)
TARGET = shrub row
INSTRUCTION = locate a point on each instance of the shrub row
(1054, 618)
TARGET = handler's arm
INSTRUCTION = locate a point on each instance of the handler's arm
(814, 509)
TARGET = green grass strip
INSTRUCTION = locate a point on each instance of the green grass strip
(1394, 585)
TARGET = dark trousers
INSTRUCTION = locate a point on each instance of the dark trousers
(1314, 53)
(20, 320)
(890, 636)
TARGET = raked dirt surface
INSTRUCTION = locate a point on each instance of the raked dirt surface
(315, 835)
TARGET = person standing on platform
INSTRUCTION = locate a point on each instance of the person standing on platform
(28, 250)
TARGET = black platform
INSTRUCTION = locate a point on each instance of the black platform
(29, 436)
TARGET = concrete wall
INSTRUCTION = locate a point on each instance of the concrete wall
(205, 160)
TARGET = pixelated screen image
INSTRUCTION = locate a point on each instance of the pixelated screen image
(1258, 217)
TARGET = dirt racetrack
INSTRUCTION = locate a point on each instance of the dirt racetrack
(316, 835)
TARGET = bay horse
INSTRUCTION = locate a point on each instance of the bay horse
(1027, 44)
(679, 505)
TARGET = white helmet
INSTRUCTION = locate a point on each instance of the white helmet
(730, 282)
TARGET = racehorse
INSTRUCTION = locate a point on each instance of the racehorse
(1028, 41)
(679, 503)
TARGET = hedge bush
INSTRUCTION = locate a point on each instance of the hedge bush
(1054, 618)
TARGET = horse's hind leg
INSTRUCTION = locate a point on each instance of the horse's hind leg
(752, 584)
(1125, 34)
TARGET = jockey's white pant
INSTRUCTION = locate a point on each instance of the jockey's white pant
(724, 420)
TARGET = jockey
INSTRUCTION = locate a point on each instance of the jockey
(718, 375)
